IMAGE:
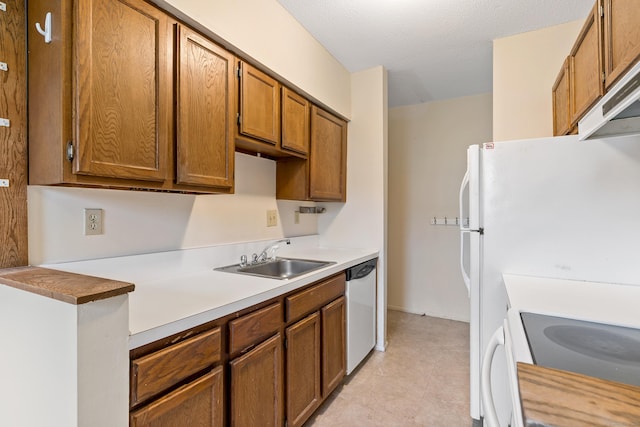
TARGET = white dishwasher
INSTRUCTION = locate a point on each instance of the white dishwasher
(361, 312)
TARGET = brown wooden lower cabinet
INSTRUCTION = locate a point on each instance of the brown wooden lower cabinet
(199, 403)
(303, 369)
(235, 370)
(333, 345)
(257, 386)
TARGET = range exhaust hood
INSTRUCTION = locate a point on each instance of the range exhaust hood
(616, 113)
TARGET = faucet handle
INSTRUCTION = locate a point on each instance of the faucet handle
(254, 258)
(243, 261)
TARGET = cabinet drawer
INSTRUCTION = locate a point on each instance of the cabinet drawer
(200, 400)
(315, 297)
(254, 327)
(158, 371)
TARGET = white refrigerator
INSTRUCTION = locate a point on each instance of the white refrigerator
(554, 207)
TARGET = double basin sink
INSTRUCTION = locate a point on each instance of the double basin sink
(280, 268)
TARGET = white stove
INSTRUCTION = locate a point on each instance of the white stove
(584, 327)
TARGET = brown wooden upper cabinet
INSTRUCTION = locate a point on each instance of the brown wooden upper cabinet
(560, 95)
(621, 37)
(295, 122)
(102, 100)
(323, 176)
(585, 66)
(259, 110)
(328, 157)
(607, 46)
(205, 111)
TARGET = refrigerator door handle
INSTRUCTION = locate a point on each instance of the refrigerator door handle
(463, 185)
(465, 276)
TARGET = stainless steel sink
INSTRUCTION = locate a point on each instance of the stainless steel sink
(280, 268)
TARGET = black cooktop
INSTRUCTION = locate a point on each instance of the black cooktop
(599, 350)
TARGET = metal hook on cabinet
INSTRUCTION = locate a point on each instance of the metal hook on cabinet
(47, 28)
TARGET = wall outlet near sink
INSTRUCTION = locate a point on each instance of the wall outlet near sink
(92, 222)
(272, 218)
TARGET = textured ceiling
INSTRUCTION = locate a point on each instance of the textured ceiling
(432, 49)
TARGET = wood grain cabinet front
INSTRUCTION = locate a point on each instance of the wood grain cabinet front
(304, 393)
(316, 356)
(179, 384)
(295, 122)
(621, 38)
(101, 100)
(156, 372)
(257, 386)
(323, 176)
(561, 101)
(334, 364)
(205, 113)
(585, 66)
(199, 403)
(258, 128)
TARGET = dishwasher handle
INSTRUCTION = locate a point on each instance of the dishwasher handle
(362, 270)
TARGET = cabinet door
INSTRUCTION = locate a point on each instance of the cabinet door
(327, 157)
(333, 345)
(257, 386)
(205, 113)
(621, 37)
(303, 369)
(123, 89)
(295, 122)
(560, 94)
(199, 403)
(585, 66)
(259, 105)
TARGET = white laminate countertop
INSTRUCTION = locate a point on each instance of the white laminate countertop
(614, 304)
(178, 290)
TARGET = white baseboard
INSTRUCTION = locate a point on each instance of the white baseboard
(440, 315)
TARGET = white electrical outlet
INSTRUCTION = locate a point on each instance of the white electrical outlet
(92, 222)
(272, 218)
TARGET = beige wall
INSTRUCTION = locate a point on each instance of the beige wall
(362, 221)
(427, 159)
(525, 66)
(264, 31)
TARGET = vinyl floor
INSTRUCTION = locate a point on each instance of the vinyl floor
(421, 380)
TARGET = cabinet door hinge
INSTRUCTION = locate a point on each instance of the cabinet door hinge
(604, 76)
(286, 423)
(239, 71)
(239, 118)
(601, 10)
(70, 151)
(286, 343)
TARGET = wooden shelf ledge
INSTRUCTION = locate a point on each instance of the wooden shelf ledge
(71, 288)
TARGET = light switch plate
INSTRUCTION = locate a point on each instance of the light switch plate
(272, 218)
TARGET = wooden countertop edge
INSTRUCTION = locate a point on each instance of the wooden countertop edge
(67, 287)
(552, 397)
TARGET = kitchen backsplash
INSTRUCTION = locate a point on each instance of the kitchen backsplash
(144, 222)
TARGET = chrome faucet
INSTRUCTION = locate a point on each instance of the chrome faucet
(264, 255)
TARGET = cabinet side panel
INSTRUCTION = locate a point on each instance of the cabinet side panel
(49, 91)
(13, 139)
